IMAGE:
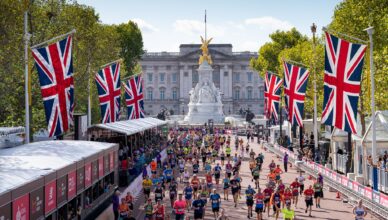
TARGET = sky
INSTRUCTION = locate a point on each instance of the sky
(246, 24)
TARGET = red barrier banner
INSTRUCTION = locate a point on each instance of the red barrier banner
(384, 200)
(50, 195)
(344, 180)
(368, 192)
(355, 186)
(101, 167)
(21, 208)
(71, 185)
(88, 174)
(111, 162)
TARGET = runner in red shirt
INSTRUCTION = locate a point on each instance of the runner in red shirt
(259, 209)
(287, 197)
(295, 191)
(209, 181)
(308, 193)
(267, 196)
(195, 184)
(159, 211)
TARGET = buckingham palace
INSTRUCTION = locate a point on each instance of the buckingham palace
(169, 76)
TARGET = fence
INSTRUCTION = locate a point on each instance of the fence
(375, 201)
(382, 176)
(341, 162)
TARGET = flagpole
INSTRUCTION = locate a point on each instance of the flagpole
(89, 99)
(348, 36)
(54, 38)
(205, 27)
(26, 81)
(370, 31)
(292, 61)
(116, 61)
(313, 30)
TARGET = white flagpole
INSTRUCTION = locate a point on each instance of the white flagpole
(52, 39)
(313, 30)
(26, 42)
(370, 31)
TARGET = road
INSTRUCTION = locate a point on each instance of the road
(331, 207)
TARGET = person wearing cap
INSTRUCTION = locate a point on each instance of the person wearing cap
(267, 197)
(159, 210)
(179, 207)
(276, 200)
(249, 193)
(149, 210)
(215, 199)
(288, 213)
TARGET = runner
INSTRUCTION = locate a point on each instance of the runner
(159, 194)
(147, 183)
(226, 182)
(278, 171)
(215, 200)
(186, 176)
(168, 174)
(249, 193)
(179, 207)
(252, 154)
(188, 191)
(153, 166)
(198, 206)
(209, 182)
(288, 213)
(295, 192)
(276, 200)
(196, 167)
(228, 169)
(149, 210)
(272, 166)
(181, 165)
(287, 197)
(359, 211)
(267, 197)
(234, 186)
(173, 191)
(217, 173)
(159, 211)
(228, 151)
(222, 215)
(317, 193)
(301, 180)
(259, 197)
(256, 176)
(308, 193)
(195, 184)
(222, 158)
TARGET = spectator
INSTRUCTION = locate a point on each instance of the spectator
(285, 162)
(115, 204)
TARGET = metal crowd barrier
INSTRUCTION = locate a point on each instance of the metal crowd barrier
(375, 201)
(382, 177)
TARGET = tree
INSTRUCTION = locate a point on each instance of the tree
(269, 52)
(131, 44)
(352, 17)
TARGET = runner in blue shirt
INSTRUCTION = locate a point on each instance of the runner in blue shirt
(215, 199)
(168, 174)
(208, 167)
(195, 167)
(188, 191)
(249, 193)
(217, 173)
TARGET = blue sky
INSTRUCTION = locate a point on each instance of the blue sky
(246, 24)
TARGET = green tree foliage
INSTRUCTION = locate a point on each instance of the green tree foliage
(131, 44)
(269, 52)
(94, 45)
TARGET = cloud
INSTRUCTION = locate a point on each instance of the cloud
(269, 23)
(145, 26)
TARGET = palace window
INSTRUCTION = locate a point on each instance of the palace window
(149, 94)
(249, 93)
(236, 77)
(149, 77)
(174, 77)
(162, 92)
(237, 94)
(174, 93)
(250, 76)
(162, 77)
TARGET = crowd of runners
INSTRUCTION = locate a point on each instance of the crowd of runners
(201, 172)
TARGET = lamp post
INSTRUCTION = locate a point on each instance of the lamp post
(27, 37)
(314, 30)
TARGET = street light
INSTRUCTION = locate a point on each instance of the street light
(314, 30)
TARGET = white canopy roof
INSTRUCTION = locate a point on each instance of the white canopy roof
(132, 126)
(25, 163)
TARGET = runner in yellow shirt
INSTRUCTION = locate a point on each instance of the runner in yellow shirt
(147, 183)
(288, 213)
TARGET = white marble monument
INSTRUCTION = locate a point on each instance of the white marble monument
(205, 99)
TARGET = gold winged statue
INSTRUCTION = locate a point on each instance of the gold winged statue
(205, 52)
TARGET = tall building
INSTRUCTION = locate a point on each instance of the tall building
(169, 76)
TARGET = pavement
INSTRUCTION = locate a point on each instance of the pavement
(331, 207)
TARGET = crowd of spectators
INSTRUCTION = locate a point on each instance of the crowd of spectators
(382, 161)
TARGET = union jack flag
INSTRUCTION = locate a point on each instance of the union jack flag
(109, 92)
(272, 91)
(55, 70)
(295, 84)
(134, 97)
(343, 67)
